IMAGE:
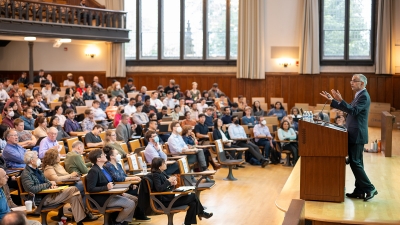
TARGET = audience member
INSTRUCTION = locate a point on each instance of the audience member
(71, 126)
(93, 139)
(55, 122)
(295, 114)
(214, 92)
(69, 82)
(201, 130)
(41, 127)
(248, 119)
(152, 126)
(13, 153)
(110, 88)
(154, 101)
(89, 94)
(124, 130)
(3, 93)
(59, 114)
(147, 107)
(257, 110)
(15, 109)
(8, 119)
(78, 100)
(49, 142)
(81, 87)
(29, 121)
(194, 112)
(36, 110)
(130, 108)
(23, 79)
(202, 106)
(222, 102)
(103, 102)
(161, 92)
(67, 104)
(188, 121)
(237, 132)
(278, 111)
(176, 113)
(178, 94)
(111, 109)
(163, 183)
(54, 96)
(286, 133)
(263, 137)
(25, 138)
(46, 90)
(154, 149)
(140, 117)
(74, 161)
(14, 88)
(42, 104)
(99, 179)
(98, 114)
(218, 133)
(40, 77)
(169, 101)
(139, 98)
(118, 115)
(340, 120)
(88, 123)
(14, 98)
(98, 84)
(129, 86)
(117, 90)
(29, 90)
(196, 95)
(111, 141)
(50, 79)
(226, 118)
(34, 181)
(209, 116)
(188, 98)
(120, 100)
(170, 87)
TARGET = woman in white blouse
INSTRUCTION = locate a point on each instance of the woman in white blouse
(286, 133)
(59, 113)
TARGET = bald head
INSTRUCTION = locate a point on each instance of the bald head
(14, 218)
(3, 177)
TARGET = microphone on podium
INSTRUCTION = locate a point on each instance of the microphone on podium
(321, 114)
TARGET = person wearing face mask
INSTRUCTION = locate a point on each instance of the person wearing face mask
(8, 120)
(69, 82)
(117, 90)
(154, 149)
(263, 137)
(237, 132)
(13, 153)
(34, 181)
(161, 92)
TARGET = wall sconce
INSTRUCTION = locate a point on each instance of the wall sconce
(285, 62)
(92, 51)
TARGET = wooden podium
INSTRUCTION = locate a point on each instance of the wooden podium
(322, 173)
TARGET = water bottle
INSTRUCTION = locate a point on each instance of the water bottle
(144, 167)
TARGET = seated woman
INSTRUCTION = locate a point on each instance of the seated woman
(99, 179)
(59, 113)
(118, 115)
(36, 110)
(15, 110)
(163, 183)
(241, 103)
(257, 110)
(67, 103)
(176, 113)
(54, 96)
(111, 109)
(41, 127)
(188, 98)
(218, 133)
(184, 107)
(288, 134)
(278, 111)
(55, 122)
(188, 120)
(295, 114)
(111, 141)
(248, 119)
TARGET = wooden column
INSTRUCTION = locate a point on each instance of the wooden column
(30, 44)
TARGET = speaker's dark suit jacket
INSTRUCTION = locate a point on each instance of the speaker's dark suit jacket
(357, 117)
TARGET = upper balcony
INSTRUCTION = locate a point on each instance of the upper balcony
(33, 18)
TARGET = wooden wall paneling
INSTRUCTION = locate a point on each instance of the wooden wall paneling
(324, 86)
(293, 85)
(388, 89)
(396, 92)
(310, 90)
(348, 93)
(381, 89)
(235, 89)
(316, 85)
(270, 90)
(285, 90)
(278, 86)
(372, 88)
(302, 91)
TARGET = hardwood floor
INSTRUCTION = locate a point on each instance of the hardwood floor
(250, 199)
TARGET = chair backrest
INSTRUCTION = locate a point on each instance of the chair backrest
(133, 163)
(251, 132)
(133, 94)
(54, 104)
(70, 142)
(264, 106)
(134, 144)
(103, 136)
(81, 109)
(144, 157)
(183, 165)
(260, 99)
(220, 150)
(62, 151)
(319, 107)
(166, 149)
(142, 142)
(246, 129)
(210, 136)
(236, 99)
(89, 103)
(152, 204)
(21, 188)
(125, 147)
(273, 100)
(303, 106)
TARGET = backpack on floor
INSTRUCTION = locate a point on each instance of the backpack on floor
(275, 156)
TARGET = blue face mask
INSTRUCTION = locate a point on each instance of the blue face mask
(156, 139)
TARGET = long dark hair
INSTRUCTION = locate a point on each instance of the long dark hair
(156, 163)
(280, 104)
(51, 120)
(216, 123)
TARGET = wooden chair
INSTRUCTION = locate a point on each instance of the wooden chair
(142, 142)
(62, 151)
(224, 161)
(103, 136)
(236, 99)
(94, 207)
(125, 147)
(295, 214)
(54, 104)
(41, 209)
(70, 141)
(304, 106)
(81, 109)
(246, 129)
(185, 173)
(134, 144)
(133, 94)
(260, 99)
(275, 99)
(279, 149)
(134, 165)
(89, 103)
(252, 137)
(264, 106)
(159, 208)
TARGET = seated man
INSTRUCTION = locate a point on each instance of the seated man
(236, 132)
(98, 113)
(201, 130)
(25, 138)
(89, 122)
(129, 86)
(139, 118)
(162, 114)
(226, 118)
(103, 102)
(124, 130)
(263, 137)
(29, 121)
(154, 101)
(5, 212)
(13, 153)
(130, 108)
(34, 181)
(42, 104)
(153, 127)
(8, 120)
(154, 149)
(169, 101)
(147, 107)
(49, 142)
(209, 117)
(177, 146)
(71, 126)
(73, 160)
(92, 139)
(69, 82)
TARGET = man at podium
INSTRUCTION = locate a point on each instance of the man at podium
(357, 129)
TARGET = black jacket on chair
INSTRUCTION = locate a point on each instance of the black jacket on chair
(160, 184)
(96, 181)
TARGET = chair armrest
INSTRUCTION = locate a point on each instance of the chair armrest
(128, 182)
(170, 193)
(175, 157)
(204, 173)
(108, 192)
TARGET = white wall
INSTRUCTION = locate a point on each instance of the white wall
(15, 56)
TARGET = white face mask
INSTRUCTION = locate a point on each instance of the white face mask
(119, 157)
(38, 163)
(11, 114)
(179, 129)
(263, 122)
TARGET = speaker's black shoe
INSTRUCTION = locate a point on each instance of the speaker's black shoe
(355, 195)
(370, 195)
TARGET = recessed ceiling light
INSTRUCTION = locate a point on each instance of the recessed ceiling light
(30, 38)
(65, 40)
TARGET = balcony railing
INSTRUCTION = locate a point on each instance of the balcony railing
(61, 14)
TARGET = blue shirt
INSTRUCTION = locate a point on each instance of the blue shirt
(46, 144)
(261, 130)
(117, 174)
(209, 121)
(188, 140)
(71, 125)
(176, 144)
(280, 113)
(226, 119)
(151, 152)
(109, 178)
(14, 156)
(28, 123)
(246, 120)
(4, 209)
(103, 105)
